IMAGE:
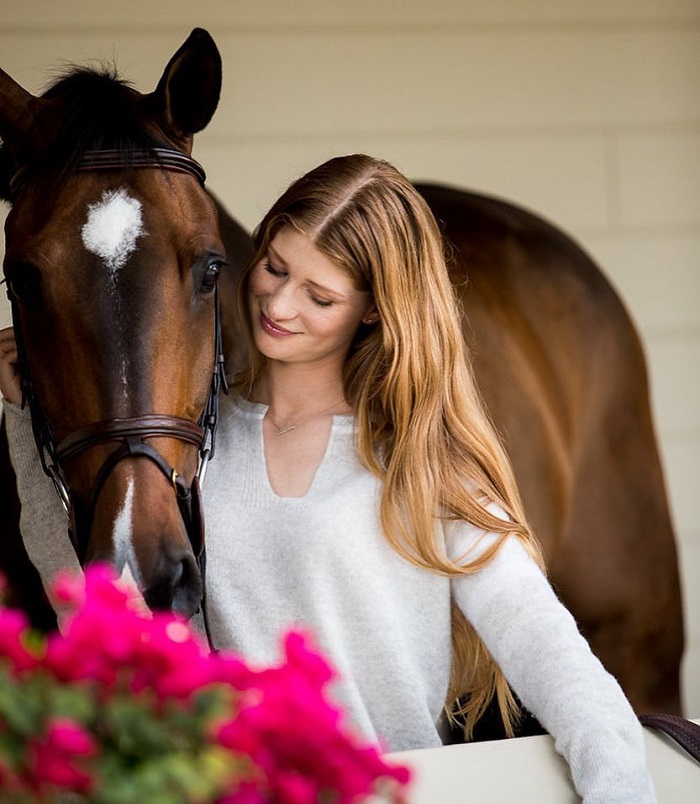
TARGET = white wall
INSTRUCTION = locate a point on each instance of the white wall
(586, 112)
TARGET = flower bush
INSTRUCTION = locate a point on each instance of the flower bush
(125, 705)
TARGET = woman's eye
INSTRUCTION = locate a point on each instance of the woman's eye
(280, 273)
(270, 268)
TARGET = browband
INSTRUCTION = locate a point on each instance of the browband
(113, 159)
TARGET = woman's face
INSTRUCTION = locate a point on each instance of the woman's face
(304, 309)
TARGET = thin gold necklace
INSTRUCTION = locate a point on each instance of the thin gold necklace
(288, 428)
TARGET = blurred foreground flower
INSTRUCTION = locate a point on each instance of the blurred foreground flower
(126, 706)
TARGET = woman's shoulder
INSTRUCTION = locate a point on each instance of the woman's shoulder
(233, 406)
(237, 420)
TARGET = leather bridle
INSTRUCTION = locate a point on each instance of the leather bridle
(131, 434)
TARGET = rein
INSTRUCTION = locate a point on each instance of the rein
(130, 433)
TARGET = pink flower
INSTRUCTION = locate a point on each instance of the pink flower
(68, 588)
(293, 788)
(56, 758)
(286, 740)
(171, 659)
(245, 793)
(13, 628)
(290, 730)
(66, 735)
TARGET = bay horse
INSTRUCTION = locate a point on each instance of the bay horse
(556, 357)
(113, 254)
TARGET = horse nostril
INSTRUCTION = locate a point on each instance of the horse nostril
(159, 597)
(178, 589)
(190, 590)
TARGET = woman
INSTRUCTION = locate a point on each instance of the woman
(360, 492)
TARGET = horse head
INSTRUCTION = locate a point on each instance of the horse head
(112, 258)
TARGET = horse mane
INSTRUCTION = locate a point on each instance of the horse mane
(99, 110)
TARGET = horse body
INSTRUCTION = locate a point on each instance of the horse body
(561, 369)
(556, 358)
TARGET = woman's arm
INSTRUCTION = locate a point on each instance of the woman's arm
(43, 522)
(550, 666)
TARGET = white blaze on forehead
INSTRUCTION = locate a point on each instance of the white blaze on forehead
(113, 226)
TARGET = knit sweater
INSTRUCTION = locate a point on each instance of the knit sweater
(319, 562)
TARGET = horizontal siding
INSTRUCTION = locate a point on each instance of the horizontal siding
(659, 176)
(681, 455)
(340, 82)
(538, 172)
(690, 567)
(47, 14)
(676, 390)
(657, 273)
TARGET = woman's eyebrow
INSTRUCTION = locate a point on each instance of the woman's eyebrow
(276, 255)
(324, 289)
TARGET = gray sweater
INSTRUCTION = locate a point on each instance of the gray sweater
(320, 562)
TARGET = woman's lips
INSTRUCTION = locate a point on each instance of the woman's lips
(272, 329)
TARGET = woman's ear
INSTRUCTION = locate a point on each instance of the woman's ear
(371, 316)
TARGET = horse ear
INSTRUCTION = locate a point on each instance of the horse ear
(188, 92)
(20, 118)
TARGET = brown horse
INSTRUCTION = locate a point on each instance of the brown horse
(557, 360)
(560, 366)
(112, 259)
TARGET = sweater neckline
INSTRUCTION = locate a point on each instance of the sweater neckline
(253, 413)
(257, 410)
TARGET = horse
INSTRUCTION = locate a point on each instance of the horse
(556, 357)
(113, 254)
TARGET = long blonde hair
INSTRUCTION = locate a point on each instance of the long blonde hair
(422, 427)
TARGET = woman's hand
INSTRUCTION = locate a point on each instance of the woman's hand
(9, 375)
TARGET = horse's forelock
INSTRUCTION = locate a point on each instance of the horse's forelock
(97, 110)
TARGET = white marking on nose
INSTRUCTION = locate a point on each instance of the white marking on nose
(136, 599)
(113, 226)
(124, 556)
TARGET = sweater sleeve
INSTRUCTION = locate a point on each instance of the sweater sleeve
(43, 522)
(537, 644)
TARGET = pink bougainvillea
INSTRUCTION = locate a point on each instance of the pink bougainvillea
(56, 758)
(124, 705)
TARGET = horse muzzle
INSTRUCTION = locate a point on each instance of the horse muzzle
(146, 535)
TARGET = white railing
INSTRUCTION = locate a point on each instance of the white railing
(529, 771)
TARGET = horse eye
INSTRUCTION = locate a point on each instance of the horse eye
(24, 285)
(210, 276)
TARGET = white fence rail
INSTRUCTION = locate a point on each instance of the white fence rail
(529, 771)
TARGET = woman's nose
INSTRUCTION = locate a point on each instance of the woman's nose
(280, 303)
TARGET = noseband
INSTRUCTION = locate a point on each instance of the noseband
(131, 434)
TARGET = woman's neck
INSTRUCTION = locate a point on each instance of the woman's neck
(290, 391)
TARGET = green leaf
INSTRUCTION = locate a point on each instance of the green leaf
(170, 778)
(22, 705)
(75, 701)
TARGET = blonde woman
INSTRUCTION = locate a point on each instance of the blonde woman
(360, 492)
